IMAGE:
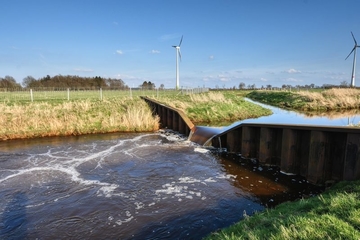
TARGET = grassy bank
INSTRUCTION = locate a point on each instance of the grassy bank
(332, 99)
(120, 114)
(213, 107)
(335, 214)
(41, 119)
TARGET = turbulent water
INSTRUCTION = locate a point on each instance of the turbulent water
(135, 186)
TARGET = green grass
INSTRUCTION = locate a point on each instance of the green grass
(335, 214)
(280, 99)
(24, 96)
(215, 106)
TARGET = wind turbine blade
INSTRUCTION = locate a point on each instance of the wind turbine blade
(350, 52)
(180, 54)
(354, 39)
(181, 40)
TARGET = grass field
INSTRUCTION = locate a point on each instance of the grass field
(24, 96)
(334, 214)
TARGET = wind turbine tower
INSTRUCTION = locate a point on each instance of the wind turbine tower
(178, 55)
(354, 61)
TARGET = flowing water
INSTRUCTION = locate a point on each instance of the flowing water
(127, 186)
(131, 186)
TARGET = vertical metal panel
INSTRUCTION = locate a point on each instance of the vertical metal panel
(233, 140)
(181, 126)
(164, 114)
(335, 163)
(290, 157)
(169, 118)
(250, 142)
(175, 122)
(352, 157)
(304, 137)
(319, 154)
(270, 146)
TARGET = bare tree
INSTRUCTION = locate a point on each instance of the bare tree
(241, 85)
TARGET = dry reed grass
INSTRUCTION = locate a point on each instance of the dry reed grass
(332, 99)
(209, 97)
(75, 118)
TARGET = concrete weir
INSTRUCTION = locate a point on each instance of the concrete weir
(321, 154)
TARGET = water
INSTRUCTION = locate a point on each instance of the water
(282, 116)
(126, 186)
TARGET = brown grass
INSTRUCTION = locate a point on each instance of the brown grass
(332, 99)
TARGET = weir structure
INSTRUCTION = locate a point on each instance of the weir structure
(321, 154)
(171, 118)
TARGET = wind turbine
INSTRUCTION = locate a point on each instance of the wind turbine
(354, 61)
(178, 54)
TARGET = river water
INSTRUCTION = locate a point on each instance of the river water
(130, 186)
(127, 186)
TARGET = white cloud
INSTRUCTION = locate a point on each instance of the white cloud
(211, 57)
(292, 70)
(154, 51)
(263, 79)
(119, 52)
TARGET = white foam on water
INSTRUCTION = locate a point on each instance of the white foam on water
(226, 176)
(210, 179)
(120, 222)
(201, 150)
(139, 205)
(188, 180)
(106, 191)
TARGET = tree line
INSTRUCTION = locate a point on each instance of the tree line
(60, 82)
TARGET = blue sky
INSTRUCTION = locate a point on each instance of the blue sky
(261, 42)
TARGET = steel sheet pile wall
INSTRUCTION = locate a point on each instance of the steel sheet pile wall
(170, 117)
(320, 154)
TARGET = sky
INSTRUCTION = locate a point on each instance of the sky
(225, 42)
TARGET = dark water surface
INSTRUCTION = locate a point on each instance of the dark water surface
(127, 186)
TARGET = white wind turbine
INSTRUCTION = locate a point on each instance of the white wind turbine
(178, 54)
(354, 61)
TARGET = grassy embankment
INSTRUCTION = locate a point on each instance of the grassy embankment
(121, 114)
(332, 99)
(215, 107)
(335, 214)
(42, 119)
